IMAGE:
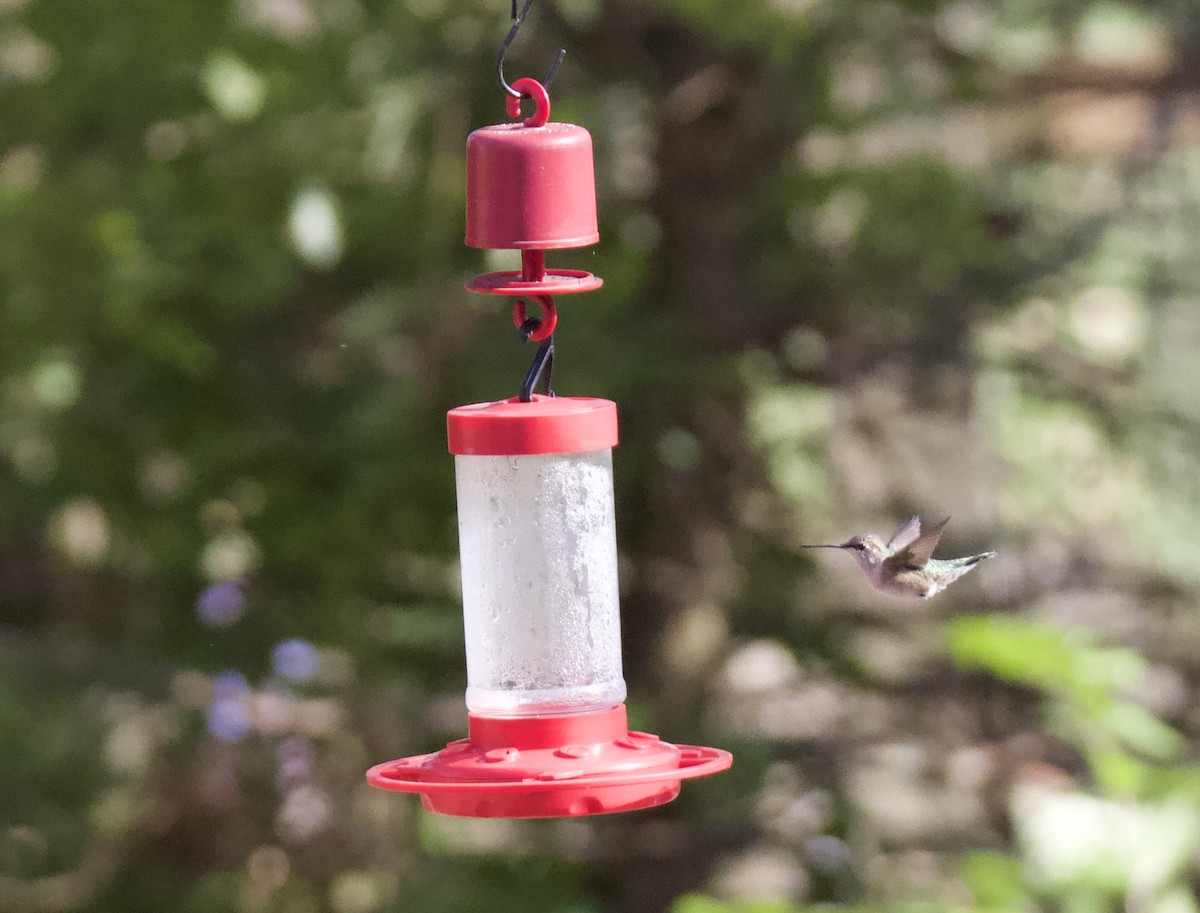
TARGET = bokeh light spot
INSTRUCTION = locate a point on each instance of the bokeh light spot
(24, 57)
(80, 531)
(165, 140)
(129, 747)
(34, 457)
(315, 227)
(319, 717)
(192, 689)
(233, 87)
(274, 712)
(304, 814)
(827, 853)
(229, 685)
(1108, 322)
(360, 892)
(296, 660)
(222, 603)
(230, 556)
(295, 763)
(678, 448)
(268, 867)
(289, 20)
(115, 813)
(21, 169)
(162, 476)
(228, 719)
(56, 384)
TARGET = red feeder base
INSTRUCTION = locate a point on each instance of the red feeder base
(549, 767)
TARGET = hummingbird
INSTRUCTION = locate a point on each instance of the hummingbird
(905, 565)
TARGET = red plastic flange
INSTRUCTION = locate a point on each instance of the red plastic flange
(549, 766)
(554, 282)
(548, 424)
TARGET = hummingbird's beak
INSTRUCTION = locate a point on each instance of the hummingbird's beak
(822, 546)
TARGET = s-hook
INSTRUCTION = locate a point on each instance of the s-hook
(543, 362)
(518, 18)
(536, 329)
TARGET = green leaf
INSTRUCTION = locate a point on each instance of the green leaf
(1012, 649)
(1117, 773)
(994, 880)
(1180, 900)
(702, 903)
(1142, 731)
(699, 903)
(1060, 660)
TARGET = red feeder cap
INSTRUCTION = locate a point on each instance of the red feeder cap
(548, 424)
(532, 188)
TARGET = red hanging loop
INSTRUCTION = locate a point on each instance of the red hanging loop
(549, 317)
(529, 88)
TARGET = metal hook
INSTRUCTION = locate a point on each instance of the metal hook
(543, 362)
(512, 33)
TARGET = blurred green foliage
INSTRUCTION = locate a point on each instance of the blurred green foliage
(1138, 838)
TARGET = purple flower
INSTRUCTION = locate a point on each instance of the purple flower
(222, 603)
(295, 763)
(296, 660)
(228, 719)
(229, 685)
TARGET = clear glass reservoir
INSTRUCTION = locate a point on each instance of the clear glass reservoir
(537, 535)
(548, 735)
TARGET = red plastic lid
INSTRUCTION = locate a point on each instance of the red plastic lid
(531, 187)
(548, 424)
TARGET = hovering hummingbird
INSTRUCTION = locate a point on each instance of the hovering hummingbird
(905, 566)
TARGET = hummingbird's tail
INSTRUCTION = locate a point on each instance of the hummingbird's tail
(948, 571)
(975, 559)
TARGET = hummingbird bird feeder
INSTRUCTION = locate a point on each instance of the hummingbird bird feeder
(547, 729)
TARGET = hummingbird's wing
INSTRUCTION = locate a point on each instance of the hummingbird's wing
(906, 535)
(918, 552)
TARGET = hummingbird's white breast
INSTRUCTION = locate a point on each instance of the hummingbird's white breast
(872, 568)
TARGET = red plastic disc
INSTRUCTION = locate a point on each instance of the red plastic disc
(551, 766)
(548, 424)
(557, 282)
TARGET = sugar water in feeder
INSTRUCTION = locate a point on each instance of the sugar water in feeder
(537, 534)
